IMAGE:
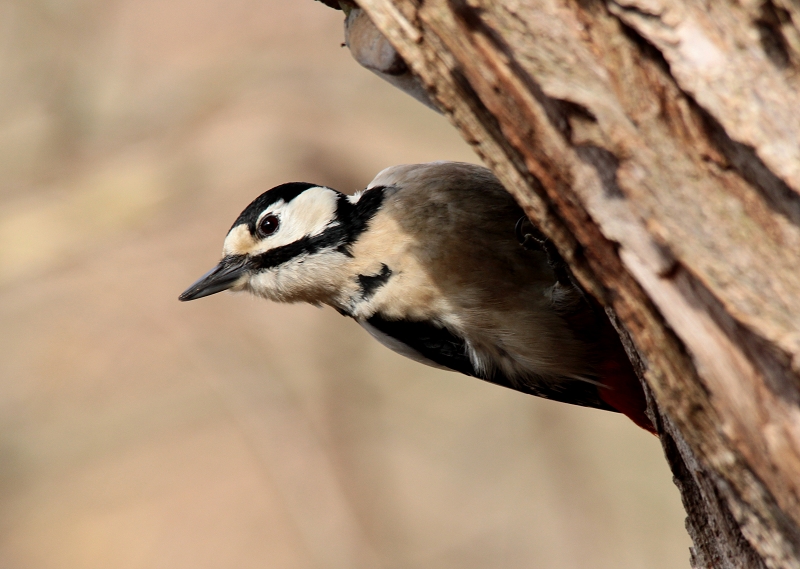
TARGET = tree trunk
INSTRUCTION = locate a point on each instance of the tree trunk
(657, 144)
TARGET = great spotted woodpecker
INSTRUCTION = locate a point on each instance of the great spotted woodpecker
(426, 259)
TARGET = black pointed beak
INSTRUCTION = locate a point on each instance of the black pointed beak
(222, 277)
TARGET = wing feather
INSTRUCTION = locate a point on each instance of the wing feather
(428, 343)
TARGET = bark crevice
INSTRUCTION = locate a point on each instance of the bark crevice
(743, 159)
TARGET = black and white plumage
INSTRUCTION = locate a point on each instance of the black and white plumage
(426, 259)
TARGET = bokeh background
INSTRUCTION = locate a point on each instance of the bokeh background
(140, 432)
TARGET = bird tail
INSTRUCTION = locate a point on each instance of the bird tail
(623, 390)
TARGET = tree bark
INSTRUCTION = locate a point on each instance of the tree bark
(658, 145)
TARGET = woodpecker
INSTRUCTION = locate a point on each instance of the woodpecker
(427, 260)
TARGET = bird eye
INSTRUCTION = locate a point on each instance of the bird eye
(268, 225)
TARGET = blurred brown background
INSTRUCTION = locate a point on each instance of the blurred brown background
(136, 431)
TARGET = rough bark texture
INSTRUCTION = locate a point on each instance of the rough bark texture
(656, 143)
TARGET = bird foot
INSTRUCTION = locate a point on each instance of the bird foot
(532, 239)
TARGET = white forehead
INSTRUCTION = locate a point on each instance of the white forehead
(307, 214)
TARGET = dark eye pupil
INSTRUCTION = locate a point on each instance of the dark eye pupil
(268, 225)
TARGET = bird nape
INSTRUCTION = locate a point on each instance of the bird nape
(427, 259)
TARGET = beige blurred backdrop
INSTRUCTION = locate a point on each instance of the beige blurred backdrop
(140, 432)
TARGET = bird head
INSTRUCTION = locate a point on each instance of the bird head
(290, 244)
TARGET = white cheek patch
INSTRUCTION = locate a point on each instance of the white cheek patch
(308, 214)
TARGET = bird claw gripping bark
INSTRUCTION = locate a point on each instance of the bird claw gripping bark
(532, 239)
